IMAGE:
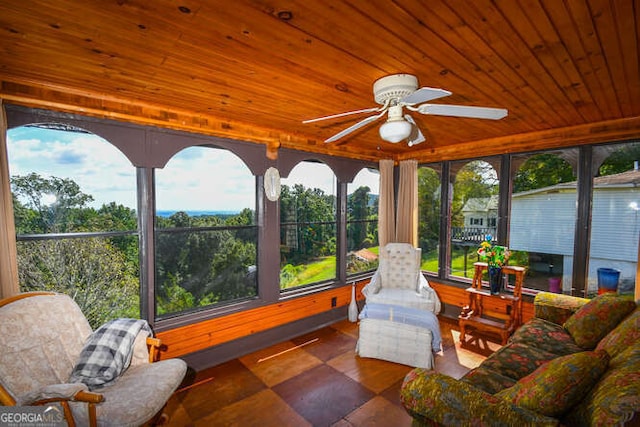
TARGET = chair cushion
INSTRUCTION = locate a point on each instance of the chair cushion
(555, 387)
(403, 297)
(597, 318)
(35, 357)
(136, 396)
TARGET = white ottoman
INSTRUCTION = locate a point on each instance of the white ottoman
(398, 334)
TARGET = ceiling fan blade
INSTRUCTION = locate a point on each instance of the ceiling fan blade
(348, 113)
(424, 94)
(416, 136)
(352, 128)
(462, 111)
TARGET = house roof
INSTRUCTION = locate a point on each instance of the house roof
(626, 179)
(481, 204)
(567, 72)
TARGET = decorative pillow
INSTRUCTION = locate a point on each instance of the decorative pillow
(597, 318)
(623, 336)
(555, 387)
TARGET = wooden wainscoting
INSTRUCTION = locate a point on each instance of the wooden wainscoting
(199, 336)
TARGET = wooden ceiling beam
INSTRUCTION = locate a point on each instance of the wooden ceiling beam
(591, 133)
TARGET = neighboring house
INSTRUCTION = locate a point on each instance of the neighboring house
(543, 222)
(481, 212)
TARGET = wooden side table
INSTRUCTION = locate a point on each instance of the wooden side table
(477, 317)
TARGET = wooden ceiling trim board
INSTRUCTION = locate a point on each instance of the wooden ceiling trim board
(570, 35)
(258, 43)
(494, 18)
(542, 57)
(157, 115)
(581, 16)
(593, 133)
(456, 32)
(560, 63)
(317, 21)
(629, 48)
(608, 36)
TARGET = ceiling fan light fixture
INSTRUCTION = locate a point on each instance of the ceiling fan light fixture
(395, 131)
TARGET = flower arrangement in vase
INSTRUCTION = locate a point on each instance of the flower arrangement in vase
(496, 257)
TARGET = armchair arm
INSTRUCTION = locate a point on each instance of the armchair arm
(374, 285)
(154, 345)
(556, 308)
(428, 293)
(63, 394)
(430, 396)
(54, 391)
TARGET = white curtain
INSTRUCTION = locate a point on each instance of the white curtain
(407, 215)
(386, 211)
(8, 256)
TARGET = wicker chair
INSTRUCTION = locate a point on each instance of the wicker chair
(41, 337)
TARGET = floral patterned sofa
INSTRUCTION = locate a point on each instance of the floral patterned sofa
(576, 363)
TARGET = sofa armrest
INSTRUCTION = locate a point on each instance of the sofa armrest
(556, 308)
(429, 397)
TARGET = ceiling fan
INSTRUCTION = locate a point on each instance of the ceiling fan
(399, 91)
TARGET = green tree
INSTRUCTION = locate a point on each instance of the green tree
(621, 160)
(91, 271)
(477, 179)
(55, 200)
(358, 209)
(542, 170)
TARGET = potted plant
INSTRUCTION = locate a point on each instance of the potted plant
(496, 257)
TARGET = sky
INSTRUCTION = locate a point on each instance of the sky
(196, 179)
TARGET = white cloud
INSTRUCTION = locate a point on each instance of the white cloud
(197, 178)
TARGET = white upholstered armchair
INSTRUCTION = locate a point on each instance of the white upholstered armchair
(41, 338)
(399, 281)
(399, 322)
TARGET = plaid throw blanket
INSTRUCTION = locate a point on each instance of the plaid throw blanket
(107, 353)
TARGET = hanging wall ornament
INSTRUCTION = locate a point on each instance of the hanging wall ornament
(272, 184)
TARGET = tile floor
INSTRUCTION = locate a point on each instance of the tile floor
(312, 380)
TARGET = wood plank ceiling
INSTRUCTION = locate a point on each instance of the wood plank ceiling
(567, 71)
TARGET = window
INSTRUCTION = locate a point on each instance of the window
(362, 222)
(76, 224)
(308, 226)
(206, 237)
(615, 225)
(543, 218)
(429, 190)
(475, 194)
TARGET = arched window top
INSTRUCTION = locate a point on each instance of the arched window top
(63, 151)
(204, 178)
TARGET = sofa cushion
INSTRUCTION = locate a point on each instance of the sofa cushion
(547, 336)
(597, 318)
(625, 334)
(615, 399)
(557, 386)
(487, 380)
(517, 360)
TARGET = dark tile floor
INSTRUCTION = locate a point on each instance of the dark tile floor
(312, 380)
